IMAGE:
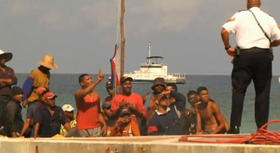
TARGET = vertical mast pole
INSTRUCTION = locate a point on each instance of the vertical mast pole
(149, 52)
(123, 37)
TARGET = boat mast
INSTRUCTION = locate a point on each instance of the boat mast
(149, 52)
(123, 37)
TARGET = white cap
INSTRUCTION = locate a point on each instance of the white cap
(67, 108)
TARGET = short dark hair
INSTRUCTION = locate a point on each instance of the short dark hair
(191, 92)
(81, 77)
(199, 89)
(173, 85)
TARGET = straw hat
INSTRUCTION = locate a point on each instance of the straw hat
(8, 56)
(48, 61)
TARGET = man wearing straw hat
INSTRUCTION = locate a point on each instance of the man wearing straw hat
(39, 77)
(7, 79)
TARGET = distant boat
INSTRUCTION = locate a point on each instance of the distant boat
(154, 68)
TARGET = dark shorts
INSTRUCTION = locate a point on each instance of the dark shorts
(31, 109)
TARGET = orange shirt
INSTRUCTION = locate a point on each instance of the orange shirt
(88, 111)
(134, 99)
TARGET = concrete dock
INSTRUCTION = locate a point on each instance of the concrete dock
(143, 144)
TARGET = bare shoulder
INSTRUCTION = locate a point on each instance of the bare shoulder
(78, 95)
(214, 105)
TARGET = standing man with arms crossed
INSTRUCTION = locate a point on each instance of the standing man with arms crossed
(256, 32)
(89, 115)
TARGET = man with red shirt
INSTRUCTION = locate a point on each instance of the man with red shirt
(130, 100)
(127, 98)
(88, 104)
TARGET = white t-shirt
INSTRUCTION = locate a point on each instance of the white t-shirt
(248, 33)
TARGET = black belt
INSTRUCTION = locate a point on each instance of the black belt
(253, 50)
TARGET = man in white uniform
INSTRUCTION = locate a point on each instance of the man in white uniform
(256, 33)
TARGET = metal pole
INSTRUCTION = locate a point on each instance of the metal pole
(123, 37)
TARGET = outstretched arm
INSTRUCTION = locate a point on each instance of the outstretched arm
(83, 92)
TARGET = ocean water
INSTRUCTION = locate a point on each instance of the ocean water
(65, 85)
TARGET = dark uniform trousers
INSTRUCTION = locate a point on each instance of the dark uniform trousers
(251, 64)
(3, 102)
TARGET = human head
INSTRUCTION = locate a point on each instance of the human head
(17, 93)
(253, 3)
(5, 57)
(171, 87)
(203, 93)
(49, 98)
(106, 107)
(126, 85)
(109, 88)
(125, 116)
(158, 85)
(164, 101)
(85, 80)
(48, 62)
(193, 97)
(68, 111)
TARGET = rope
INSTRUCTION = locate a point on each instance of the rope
(262, 136)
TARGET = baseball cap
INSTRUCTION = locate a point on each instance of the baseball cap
(109, 84)
(67, 108)
(123, 79)
(124, 112)
(106, 105)
(50, 95)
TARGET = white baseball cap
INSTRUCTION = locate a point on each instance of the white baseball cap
(67, 108)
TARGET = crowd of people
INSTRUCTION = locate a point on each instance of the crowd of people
(160, 112)
(124, 113)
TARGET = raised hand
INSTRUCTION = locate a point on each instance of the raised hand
(100, 75)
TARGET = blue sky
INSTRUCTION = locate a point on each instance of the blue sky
(81, 34)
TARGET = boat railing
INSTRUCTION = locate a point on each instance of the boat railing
(178, 75)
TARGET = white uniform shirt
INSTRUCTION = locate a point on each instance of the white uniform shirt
(248, 33)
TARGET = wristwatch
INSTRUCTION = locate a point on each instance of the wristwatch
(226, 48)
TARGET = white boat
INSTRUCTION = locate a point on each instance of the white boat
(154, 68)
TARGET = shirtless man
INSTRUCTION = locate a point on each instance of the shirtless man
(210, 119)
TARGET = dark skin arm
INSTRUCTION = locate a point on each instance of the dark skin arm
(26, 126)
(198, 119)
(225, 37)
(103, 122)
(219, 117)
(275, 43)
(83, 92)
(67, 126)
(36, 131)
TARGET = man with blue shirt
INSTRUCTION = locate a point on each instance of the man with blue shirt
(49, 118)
